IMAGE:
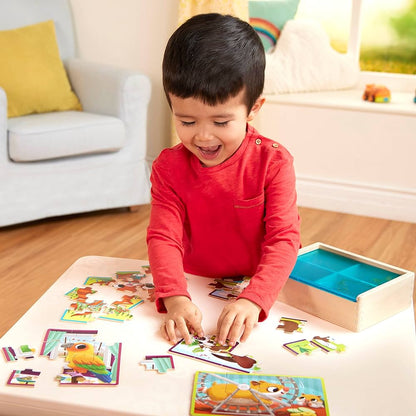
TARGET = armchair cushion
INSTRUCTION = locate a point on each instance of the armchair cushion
(32, 72)
(67, 133)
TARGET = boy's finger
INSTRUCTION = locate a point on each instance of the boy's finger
(248, 327)
(235, 330)
(183, 330)
(170, 331)
(198, 331)
(223, 328)
(194, 323)
(163, 331)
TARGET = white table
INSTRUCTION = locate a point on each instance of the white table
(376, 375)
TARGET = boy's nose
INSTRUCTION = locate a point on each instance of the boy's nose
(204, 134)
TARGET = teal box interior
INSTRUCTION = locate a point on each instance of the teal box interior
(337, 274)
(345, 288)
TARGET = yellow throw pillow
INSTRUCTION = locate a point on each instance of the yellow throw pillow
(32, 72)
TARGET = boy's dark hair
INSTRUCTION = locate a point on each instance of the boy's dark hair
(213, 57)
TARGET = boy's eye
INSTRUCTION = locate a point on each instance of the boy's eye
(187, 123)
(221, 123)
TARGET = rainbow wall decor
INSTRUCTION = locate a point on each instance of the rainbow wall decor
(267, 31)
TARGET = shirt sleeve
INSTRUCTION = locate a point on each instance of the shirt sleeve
(282, 239)
(165, 237)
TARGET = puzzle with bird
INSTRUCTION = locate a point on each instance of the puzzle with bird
(87, 360)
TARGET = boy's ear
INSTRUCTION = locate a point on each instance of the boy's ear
(256, 108)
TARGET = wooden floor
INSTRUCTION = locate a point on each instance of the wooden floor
(34, 255)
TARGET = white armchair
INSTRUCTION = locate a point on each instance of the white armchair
(73, 161)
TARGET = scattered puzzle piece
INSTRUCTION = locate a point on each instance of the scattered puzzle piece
(302, 346)
(228, 288)
(116, 313)
(75, 316)
(9, 354)
(26, 377)
(128, 301)
(24, 351)
(80, 293)
(102, 281)
(328, 344)
(130, 275)
(290, 325)
(161, 363)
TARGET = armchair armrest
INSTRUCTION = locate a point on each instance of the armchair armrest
(107, 90)
(112, 91)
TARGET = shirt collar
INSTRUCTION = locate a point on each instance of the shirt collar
(196, 163)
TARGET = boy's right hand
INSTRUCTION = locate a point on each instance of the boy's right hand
(182, 316)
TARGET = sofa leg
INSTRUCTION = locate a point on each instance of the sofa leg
(134, 208)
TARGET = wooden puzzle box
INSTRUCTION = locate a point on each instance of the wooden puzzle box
(346, 289)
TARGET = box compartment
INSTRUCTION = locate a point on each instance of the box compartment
(346, 289)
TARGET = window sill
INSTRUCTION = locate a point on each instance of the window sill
(401, 102)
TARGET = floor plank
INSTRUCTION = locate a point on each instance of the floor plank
(34, 255)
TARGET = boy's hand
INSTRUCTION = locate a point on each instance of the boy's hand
(182, 315)
(235, 316)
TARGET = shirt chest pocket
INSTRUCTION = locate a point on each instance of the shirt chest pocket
(249, 217)
(243, 204)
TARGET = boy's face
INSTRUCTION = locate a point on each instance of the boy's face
(212, 133)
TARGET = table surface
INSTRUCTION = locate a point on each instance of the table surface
(375, 375)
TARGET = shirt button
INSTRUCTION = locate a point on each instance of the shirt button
(258, 141)
(275, 145)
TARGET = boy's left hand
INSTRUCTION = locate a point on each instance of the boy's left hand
(234, 317)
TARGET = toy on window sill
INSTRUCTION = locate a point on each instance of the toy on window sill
(376, 93)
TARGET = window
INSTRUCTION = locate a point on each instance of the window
(388, 41)
(380, 33)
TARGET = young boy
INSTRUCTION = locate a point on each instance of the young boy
(224, 199)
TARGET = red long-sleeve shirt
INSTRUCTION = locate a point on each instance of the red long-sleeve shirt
(237, 218)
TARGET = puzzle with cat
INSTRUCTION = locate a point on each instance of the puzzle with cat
(261, 394)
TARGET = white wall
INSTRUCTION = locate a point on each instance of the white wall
(131, 34)
(350, 156)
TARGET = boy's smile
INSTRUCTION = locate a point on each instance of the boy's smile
(212, 133)
(209, 152)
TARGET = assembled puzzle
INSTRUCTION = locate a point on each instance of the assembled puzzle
(87, 360)
(260, 394)
(207, 349)
(109, 298)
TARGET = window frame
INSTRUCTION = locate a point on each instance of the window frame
(395, 81)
